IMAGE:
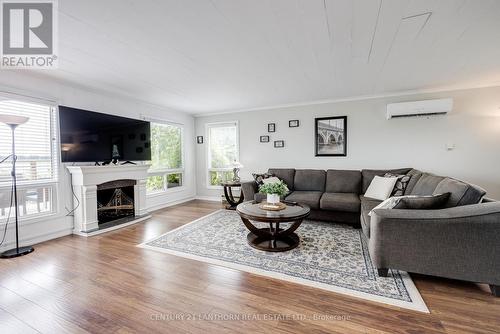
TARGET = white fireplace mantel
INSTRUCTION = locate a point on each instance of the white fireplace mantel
(85, 180)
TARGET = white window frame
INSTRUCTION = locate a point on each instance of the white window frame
(56, 165)
(167, 171)
(209, 169)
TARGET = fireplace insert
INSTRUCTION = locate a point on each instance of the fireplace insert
(115, 200)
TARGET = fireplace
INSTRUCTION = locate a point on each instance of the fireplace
(108, 197)
(115, 200)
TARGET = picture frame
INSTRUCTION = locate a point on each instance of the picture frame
(279, 143)
(264, 139)
(199, 139)
(330, 136)
(271, 127)
(294, 123)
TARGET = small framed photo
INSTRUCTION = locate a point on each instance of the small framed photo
(264, 139)
(279, 143)
(294, 123)
(271, 127)
(199, 139)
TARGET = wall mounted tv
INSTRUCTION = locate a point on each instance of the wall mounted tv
(88, 136)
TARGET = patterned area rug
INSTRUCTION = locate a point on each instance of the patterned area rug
(330, 256)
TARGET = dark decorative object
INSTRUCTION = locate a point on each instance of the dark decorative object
(13, 122)
(264, 139)
(330, 136)
(143, 136)
(271, 127)
(294, 123)
(199, 139)
(279, 143)
(147, 145)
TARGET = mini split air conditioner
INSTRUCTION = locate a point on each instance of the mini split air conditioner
(419, 108)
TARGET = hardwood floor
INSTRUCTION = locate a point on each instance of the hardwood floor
(104, 284)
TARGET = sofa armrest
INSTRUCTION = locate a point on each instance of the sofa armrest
(460, 242)
(249, 189)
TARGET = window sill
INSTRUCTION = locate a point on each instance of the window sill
(166, 192)
(34, 219)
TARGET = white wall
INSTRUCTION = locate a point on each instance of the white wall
(374, 142)
(36, 86)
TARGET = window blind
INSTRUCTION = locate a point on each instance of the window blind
(35, 144)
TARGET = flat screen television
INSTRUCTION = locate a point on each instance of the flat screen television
(88, 136)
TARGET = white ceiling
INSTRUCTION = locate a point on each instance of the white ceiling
(204, 56)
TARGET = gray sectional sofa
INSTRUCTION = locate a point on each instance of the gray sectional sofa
(460, 241)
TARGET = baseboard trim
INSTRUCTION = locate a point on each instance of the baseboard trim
(170, 203)
(209, 198)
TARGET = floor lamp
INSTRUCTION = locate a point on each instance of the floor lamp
(13, 122)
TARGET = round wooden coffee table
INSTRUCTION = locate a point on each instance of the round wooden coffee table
(272, 238)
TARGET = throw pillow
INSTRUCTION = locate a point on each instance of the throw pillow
(432, 202)
(381, 187)
(259, 178)
(272, 179)
(401, 183)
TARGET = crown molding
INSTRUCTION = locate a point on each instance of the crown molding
(442, 89)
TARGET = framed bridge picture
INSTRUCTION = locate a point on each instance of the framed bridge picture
(330, 136)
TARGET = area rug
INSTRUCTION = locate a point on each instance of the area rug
(332, 257)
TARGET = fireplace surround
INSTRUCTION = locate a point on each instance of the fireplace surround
(124, 187)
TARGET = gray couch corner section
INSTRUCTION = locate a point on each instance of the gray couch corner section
(461, 241)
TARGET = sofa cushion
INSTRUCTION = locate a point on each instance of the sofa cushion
(415, 175)
(343, 181)
(285, 174)
(367, 205)
(369, 174)
(461, 193)
(426, 184)
(309, 180)
(346, 202)
(310, 198)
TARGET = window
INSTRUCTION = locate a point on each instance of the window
(223, 150)
(36, 166)
(167, 167)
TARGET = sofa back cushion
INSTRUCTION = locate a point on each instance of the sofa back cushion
(462, 193)
(343, 181)
(414, 175)
(309, 180)
(369, 174)
(285, 174)
(426, 185)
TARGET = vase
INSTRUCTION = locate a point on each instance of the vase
(273, 198)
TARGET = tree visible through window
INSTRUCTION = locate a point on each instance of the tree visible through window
(166, 157)
(223, 151)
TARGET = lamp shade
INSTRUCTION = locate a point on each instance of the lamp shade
(13, 119)
(237, 164)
